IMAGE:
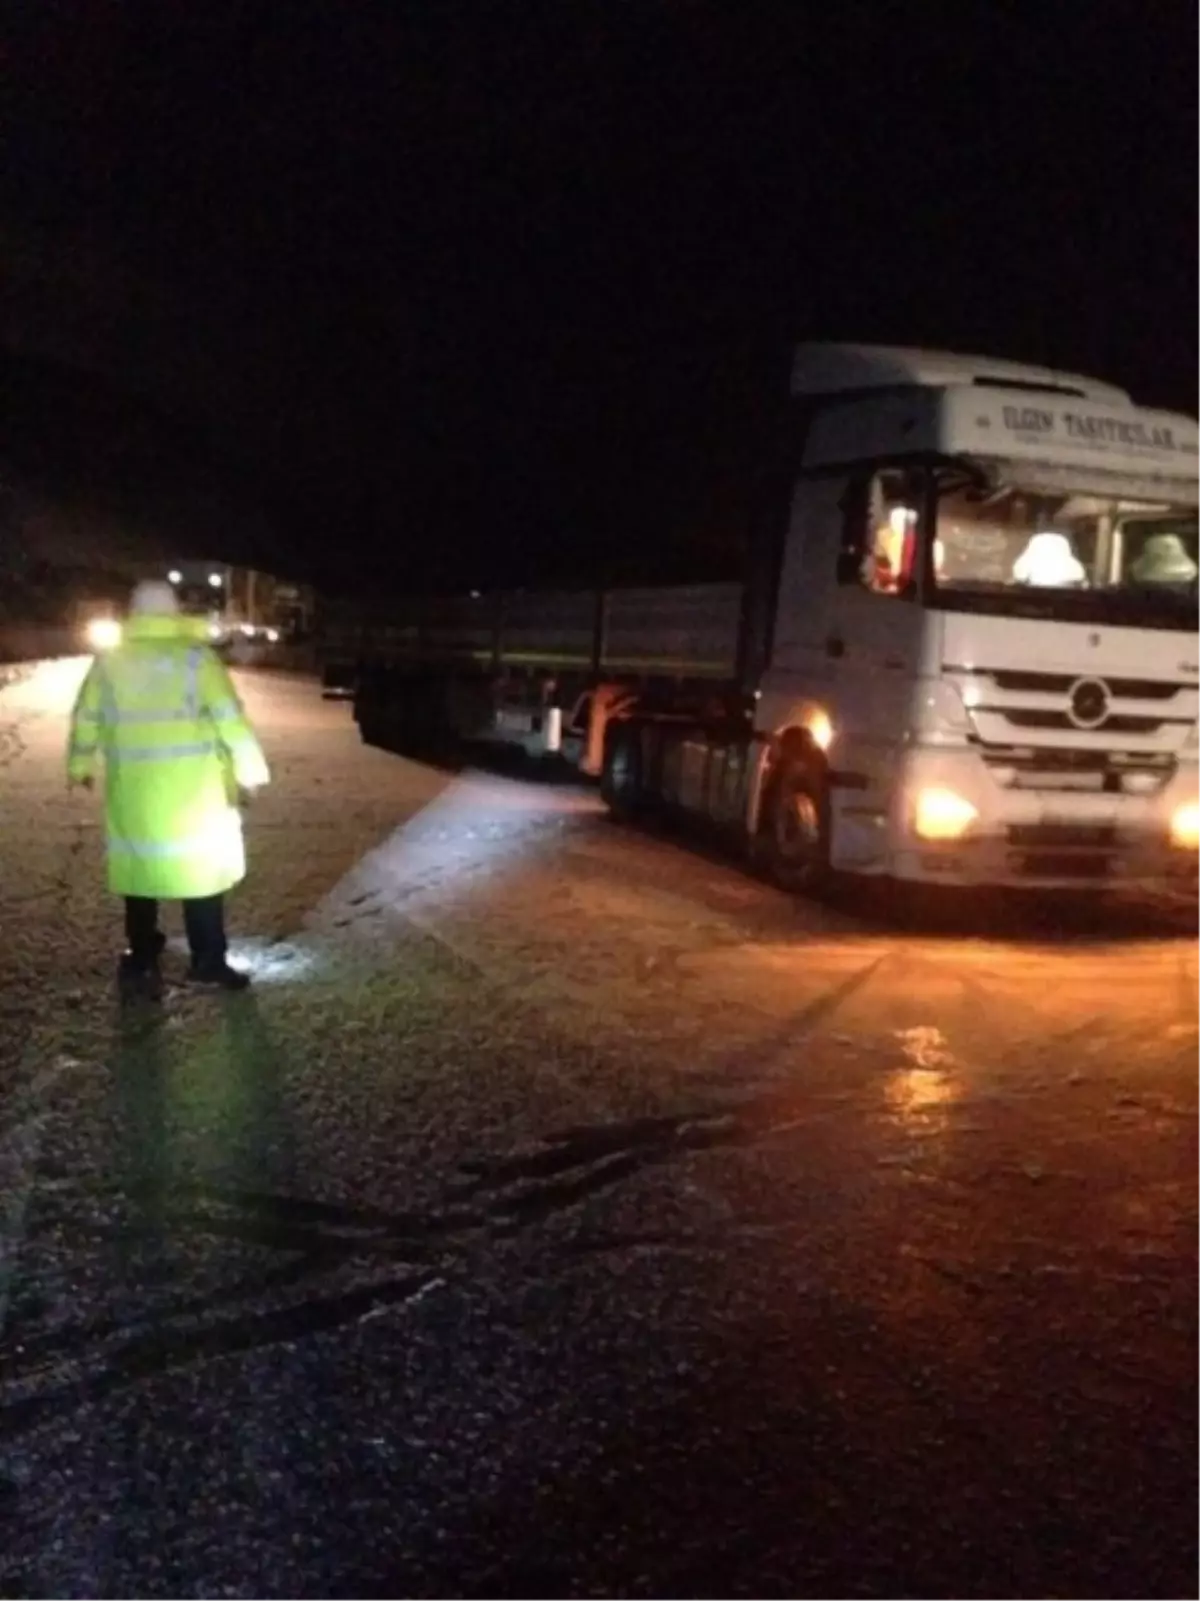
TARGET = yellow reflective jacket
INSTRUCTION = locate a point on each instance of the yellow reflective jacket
(162, 711)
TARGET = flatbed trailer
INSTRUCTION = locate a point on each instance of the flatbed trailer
(523, 668)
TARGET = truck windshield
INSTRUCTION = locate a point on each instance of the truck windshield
(1080, 557)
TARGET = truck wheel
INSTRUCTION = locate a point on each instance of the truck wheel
(797, 824)
(621, 774)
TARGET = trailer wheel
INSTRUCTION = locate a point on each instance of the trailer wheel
(621, 773)
(366, 715)
(797, 823)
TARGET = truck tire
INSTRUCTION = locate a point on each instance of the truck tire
(796, 824)
(621, 775)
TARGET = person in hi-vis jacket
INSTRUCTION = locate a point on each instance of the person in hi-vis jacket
(179, 756)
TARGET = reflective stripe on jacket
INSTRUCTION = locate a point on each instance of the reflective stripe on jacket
(162, 711)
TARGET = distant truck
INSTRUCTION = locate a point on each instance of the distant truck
(251, 615)
(248, 611)
(964, 650)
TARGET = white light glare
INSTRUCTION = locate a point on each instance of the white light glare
(273, 961)
(104, 633)
(269, 961)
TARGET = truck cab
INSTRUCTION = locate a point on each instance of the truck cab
(979, 655)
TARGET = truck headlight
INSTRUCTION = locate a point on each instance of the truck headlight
(1185, 826)
(103, 633)
(941, 814)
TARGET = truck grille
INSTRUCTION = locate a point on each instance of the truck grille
(1063, 836)
(1115, 723)
(1060, 683)
(1039, 767)
(1062, 850)
(1077, 731)
(1061, 864)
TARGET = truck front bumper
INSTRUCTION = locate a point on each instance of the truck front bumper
(1017, 837)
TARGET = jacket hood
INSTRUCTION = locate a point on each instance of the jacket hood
(184, 630)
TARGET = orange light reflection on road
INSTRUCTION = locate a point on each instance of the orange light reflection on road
(921, 1092)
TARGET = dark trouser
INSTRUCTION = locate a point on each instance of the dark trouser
(203, 920)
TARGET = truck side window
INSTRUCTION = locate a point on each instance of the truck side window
(890, 564)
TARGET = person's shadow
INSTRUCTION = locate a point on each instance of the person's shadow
(197, 1119)
(194, 1109)
(231, 1124)
(197, 1124)
(140, 1070)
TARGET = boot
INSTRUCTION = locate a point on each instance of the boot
(139, 981)
(218, 975)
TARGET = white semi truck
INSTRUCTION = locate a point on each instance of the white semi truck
(965, 648)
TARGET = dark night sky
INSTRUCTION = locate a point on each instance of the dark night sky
(472, 290)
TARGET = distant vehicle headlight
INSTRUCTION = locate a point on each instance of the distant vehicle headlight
(272, 636)
(103, 633)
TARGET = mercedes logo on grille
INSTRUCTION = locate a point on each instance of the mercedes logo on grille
(1089, 701)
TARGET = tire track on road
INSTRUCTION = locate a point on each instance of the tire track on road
(492, 1200)
(20, 1146)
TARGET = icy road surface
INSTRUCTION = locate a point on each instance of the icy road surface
(565, 1213)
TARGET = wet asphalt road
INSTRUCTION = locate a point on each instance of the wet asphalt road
(566, 1213)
